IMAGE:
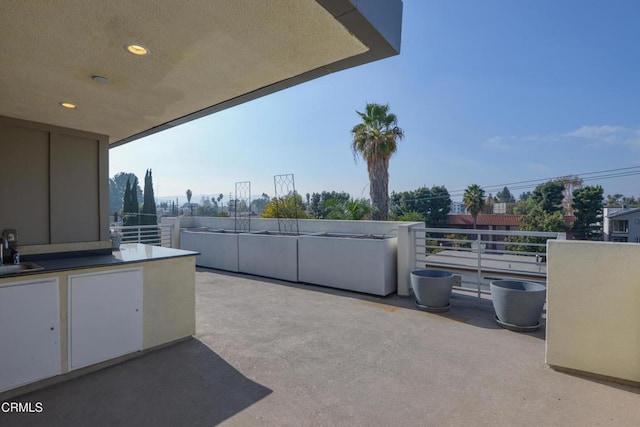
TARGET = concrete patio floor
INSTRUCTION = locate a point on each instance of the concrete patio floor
(275, 353)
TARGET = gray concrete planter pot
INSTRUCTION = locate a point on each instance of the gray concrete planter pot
(518, 304)
(432, 289)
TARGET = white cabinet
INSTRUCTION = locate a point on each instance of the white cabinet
(29, 332)
(105, 316)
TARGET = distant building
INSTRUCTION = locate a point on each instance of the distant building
(485, 222)
(499, 208)
(621, 225)
(504, 222)
(458, 208)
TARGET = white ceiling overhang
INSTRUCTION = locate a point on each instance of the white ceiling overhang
(205, 56)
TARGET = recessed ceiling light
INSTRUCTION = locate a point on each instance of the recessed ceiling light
(136, 49)
(69, 105)
(100, 79)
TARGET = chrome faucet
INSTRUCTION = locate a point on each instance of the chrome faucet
(9, 239)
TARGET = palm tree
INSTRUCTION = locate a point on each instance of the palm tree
(351, 209)
(375, 139)
(473, 200)
(189, 194)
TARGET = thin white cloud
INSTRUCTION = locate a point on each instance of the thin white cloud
(499, 143)
(607, 134)
(592, 135)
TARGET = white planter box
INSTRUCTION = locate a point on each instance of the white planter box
(355, 264)
(218, 250)
(269, 255)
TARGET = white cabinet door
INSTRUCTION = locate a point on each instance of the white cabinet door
(29, 332)
(105, 316)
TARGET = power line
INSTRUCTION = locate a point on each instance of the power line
(523, 185)
(553, 178)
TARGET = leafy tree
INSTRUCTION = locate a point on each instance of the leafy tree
(189, 194)
(149, 216)
(375, 139)
(258, 205)
(524, 206)
(473, 200)
(237, 207)
(131, 208)
(540, 220)
(525, 195)
(214, 206)
(219, 200)
(321, 204)
(410, 201)
(571, 183)
(439, 206)
(135, 205)
(489, 203)
(412, 217)
(315, 205)
(587, 205)
(117, 185)
(549, 196)
(432, 204)
(206, 206)
(126, 202)
(285, 207)
(351, 209)
(505, 196)
(615, 200)
(537, 220)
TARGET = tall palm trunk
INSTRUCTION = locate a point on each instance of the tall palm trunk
(375, 139)
(379, 190)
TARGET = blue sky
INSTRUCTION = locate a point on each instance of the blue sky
(488, 92)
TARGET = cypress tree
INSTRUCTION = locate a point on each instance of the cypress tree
(135, 206)
(126, 204)
(149, 206)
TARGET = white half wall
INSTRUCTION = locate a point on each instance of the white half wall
(593, 308)
(269, 256)
(217, 250)
(361, 265)
(388, 228)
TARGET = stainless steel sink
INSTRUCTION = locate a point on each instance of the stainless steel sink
(23, 267)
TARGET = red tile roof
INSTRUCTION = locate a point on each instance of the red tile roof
(494, 219)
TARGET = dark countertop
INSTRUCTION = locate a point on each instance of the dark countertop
(128, 253)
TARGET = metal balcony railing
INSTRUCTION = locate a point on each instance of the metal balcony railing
(157, 235)
(480, 256)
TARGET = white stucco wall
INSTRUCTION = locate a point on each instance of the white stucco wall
(404, 262)
(362, 265)
(217, 250)
(269, 256)
(593, 308)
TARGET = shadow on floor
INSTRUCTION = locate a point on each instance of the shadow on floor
(185, 384)
(465, 307)
(607, 381)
